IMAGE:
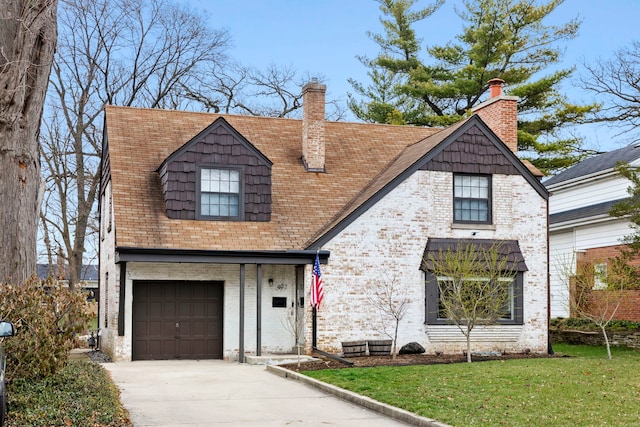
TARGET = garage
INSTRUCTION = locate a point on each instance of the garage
(177, 320)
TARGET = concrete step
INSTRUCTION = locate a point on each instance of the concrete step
(276, 359)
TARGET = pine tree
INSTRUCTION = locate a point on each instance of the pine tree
(503, 39)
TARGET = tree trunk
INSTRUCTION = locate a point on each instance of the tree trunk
(606, 341)
(468, 335)
(28, 35)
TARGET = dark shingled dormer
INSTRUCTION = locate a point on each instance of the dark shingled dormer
(217, 175)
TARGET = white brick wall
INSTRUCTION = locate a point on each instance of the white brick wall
(275, 337)
(387, 243)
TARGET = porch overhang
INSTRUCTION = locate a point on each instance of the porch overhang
(287, 257)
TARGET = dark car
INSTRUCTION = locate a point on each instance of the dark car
(6, 330)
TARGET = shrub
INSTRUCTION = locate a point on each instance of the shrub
(588, 325)
(81, 394)
(47, 317)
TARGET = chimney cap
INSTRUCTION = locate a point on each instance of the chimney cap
(495, 87)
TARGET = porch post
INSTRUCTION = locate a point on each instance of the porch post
(121, 301)
(241, 320)
(259, 311)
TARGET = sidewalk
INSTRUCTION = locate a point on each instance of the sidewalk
(80, 354)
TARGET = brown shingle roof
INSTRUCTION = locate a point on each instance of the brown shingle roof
(403, 161)
(303, 203)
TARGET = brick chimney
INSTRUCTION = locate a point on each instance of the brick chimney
(313, 140)
(500, 113)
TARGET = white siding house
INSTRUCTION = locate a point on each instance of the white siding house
(579, 221)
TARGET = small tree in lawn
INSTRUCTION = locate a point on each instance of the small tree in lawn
(391, 300)
(474, 286)
(596, 290)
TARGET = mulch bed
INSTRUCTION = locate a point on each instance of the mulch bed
(404, 360)
(98, 356)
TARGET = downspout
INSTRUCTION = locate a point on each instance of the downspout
(241, 320)
(549, 348)
(259, 310)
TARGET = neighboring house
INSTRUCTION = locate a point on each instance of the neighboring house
(210, 225)
(88, 277)
(580, 227)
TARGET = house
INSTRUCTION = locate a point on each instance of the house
(210, 225)
(580, 227)
(88, 277)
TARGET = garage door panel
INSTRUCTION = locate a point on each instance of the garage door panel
(141, 309)
(186, 348)
(199, 327)
(155, 328)
(185, 330)
(199, 346)
(155, 292)
(180, 320)
(154, 308)
(168, 309)
(168, 347)
(184, 309)
(212, 310)
(199, 309)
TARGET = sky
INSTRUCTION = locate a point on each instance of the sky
(323, 38)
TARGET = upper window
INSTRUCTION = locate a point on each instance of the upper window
(220, 195)
(472, 198)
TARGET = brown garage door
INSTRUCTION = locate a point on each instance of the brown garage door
(177, 320)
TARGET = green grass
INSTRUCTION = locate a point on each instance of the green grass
(93, 324)
(584, 390)
(82, 394)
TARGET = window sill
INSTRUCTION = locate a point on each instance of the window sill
(465, 226)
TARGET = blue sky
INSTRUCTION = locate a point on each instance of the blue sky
(323, 37)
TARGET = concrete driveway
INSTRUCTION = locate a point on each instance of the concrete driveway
(220, 393)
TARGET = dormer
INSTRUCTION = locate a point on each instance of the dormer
(218, 175)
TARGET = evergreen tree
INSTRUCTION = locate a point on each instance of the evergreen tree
(503, 39)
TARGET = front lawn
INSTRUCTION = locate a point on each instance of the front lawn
(81, 394)
(583, 390)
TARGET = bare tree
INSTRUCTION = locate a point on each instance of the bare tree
(154, 54)
(28, 34)
(475, 286)
(617, 82)
(294, 322)
(391, 299)
(123, 52)
(273, 92)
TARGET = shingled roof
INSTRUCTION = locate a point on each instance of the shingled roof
(600, 163)
(303, 203)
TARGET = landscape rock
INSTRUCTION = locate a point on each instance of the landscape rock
(412, 348)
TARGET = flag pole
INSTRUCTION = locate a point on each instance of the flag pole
(314, 316)
(314, 330)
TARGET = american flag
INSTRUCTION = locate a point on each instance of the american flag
(317, 290)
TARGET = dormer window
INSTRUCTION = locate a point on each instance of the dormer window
(220, 195)
(218, 175)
